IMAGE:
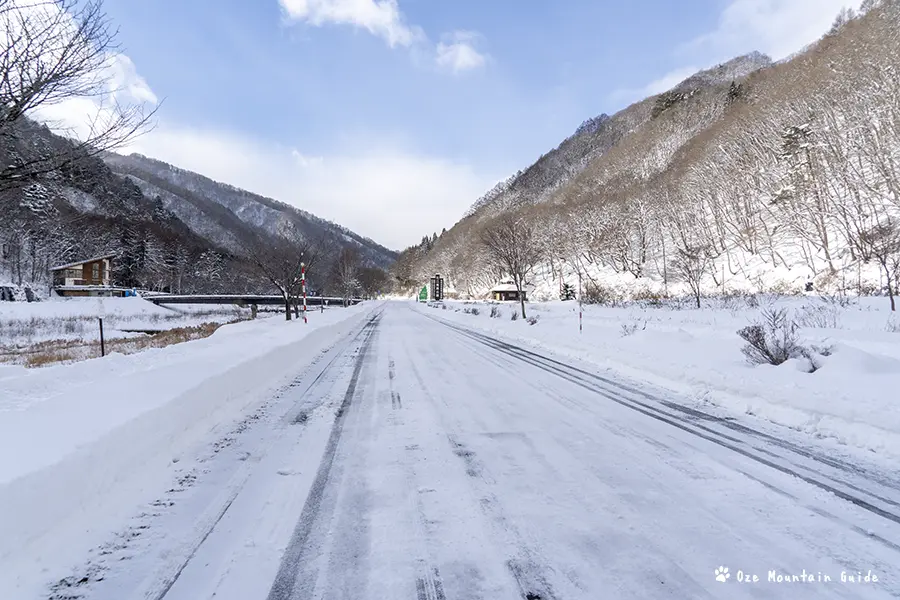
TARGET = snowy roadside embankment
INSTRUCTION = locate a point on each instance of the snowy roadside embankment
(85, 443)
(852, 398)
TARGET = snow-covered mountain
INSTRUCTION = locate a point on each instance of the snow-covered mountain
(750, 176)
(597, 135)
(228, 215)
(170, 229)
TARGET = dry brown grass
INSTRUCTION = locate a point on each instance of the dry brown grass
(49, 357)
(59, 351)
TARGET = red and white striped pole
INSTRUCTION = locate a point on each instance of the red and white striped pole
(303, 283)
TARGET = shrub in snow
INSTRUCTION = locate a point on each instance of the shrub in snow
(773, 340)
(532, 320)
(824, 315)
(514, 315)
(632, 327)
(814, 355)
(840, 301)
(475, 311)
(647, 297)
(893, 325)
(495, 312)
(597, 294)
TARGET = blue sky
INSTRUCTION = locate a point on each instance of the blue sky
(392, 117)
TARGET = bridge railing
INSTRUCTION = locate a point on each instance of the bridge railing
(243, 299)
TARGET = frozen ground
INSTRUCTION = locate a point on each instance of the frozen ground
(388, 452)
(852, 399)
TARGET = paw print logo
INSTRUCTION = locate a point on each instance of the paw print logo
(722, 574)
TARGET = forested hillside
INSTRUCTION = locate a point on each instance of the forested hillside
(83, 209)
(228, 215)
(749, 176)
(171, 229)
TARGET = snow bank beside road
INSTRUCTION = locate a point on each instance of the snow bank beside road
(85, 443)
(852, 398)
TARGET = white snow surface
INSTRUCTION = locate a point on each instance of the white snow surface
(852, 399)
(395, 451)
(81, 444)
(25, 323)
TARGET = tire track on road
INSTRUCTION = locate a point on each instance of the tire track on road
(164, 585)
(526, 565)
(286, 578)
(590, 381)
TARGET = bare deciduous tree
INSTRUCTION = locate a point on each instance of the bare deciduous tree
(373, 281)
(346, 273)
(692, 264)
(55, 51)
(511, 247)
(883, 242)
(281, 262)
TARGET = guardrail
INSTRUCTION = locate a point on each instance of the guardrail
(245, 299)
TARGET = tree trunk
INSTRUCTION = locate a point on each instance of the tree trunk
(287, 308)
(521, 297)
(890, 286)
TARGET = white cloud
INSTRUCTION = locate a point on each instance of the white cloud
(457, 52)
(113, 89)
(124, 82)
(667, 81)
(626, 96)
(82, 117)
(777, 28)
(388, 194)
(306, 161)
(379, 17)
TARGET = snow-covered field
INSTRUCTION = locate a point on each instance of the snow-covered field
(84, 443)
(25, 323)
(851, 399)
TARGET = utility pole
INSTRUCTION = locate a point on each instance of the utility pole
(580, 305)
(303, 285)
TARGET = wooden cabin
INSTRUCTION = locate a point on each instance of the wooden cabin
(90, 277)
(506, 291)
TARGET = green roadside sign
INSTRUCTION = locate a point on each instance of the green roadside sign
(423, 294)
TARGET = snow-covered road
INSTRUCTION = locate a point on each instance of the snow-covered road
(418, 460)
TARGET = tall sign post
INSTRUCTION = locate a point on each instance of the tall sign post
(437, 288)
(303, 285)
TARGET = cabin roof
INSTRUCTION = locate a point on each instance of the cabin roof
(82, 262)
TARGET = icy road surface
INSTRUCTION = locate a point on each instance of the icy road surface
(420, 460)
